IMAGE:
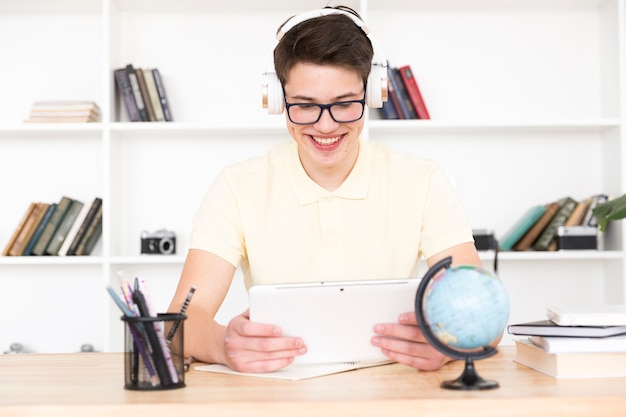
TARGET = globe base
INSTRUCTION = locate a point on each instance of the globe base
(469, 380)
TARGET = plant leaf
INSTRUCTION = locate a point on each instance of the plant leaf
(611, 210)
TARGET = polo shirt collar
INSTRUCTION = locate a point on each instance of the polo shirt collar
(355, 187)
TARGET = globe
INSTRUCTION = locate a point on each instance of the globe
(461, 311)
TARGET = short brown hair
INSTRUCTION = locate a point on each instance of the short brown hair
(332, 39)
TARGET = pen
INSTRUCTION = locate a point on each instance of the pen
(170, 335)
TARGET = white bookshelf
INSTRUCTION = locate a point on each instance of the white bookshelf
(527, 100)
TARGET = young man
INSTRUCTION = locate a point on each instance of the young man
(325, 206)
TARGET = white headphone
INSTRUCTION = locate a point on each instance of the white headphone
(376, 90)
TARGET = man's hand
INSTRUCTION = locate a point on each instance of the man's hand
(256, 347)
(405, 343)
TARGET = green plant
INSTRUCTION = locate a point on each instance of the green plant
(614, 209)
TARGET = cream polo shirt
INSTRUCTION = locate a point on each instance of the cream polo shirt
(267, 216)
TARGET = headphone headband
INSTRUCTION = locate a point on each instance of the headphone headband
(312, 14)
(376, 91)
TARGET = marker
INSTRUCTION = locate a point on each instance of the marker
(170, 335)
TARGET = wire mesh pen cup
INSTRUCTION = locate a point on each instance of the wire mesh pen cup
(153, 352)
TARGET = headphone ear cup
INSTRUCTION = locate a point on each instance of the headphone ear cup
(272, 94)
(376, 87)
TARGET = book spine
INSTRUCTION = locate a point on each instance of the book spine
(134, 84)
(143, 88)
(51, 227)
(158, 81)
(28, 230)
(92, 235)
(39, 231)
(543, 241)
(154, 95)
(18, 229)
(89, 218)
(128, 97)
(413, 91)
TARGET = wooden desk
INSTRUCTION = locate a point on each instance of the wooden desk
(91, 385)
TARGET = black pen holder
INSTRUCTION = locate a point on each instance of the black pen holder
(153, 352)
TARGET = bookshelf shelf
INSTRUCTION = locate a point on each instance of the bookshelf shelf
(527, 101)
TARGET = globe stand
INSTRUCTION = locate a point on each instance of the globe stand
(469, 379)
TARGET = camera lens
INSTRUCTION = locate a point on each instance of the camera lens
(166, 246)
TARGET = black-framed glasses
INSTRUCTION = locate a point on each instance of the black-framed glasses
(340, 111)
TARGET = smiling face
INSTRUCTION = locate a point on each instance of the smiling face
(328, 150)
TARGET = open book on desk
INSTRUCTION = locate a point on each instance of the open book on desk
(297, 371)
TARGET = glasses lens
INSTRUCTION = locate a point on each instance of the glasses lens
(304, 113)
(348, 111)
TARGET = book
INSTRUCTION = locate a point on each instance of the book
(134, 84)
(71, 234)
(27, 231)
(143, 88)
(63, 112)
(153, 94)
(549, 233)
(40, 228)
(64, 227)
(589, 219)
(51, 226)
(86, 223)
(533, 233)
(388, 110)
(413, 91)
(570, 365)
(588, 315)
(393, 96)
(126, 92)
(519, 228)
(554, 344)
(92, 235)
(550, 328)
(575, 219)
(406, 106)
(18, 229)
(165, 105)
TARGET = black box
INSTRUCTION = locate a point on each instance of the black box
(577, 237)
(484, 239)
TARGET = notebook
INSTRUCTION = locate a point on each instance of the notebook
(335, 319)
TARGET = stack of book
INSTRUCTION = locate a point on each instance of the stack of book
(143, 93)
(405, 100)
(64, 111)
(575, 343)
(69, 227)
(565, 223)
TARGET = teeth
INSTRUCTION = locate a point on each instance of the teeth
(326, 141)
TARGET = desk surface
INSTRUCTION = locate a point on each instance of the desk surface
(91, 384)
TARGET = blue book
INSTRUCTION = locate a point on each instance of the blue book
(517, 231)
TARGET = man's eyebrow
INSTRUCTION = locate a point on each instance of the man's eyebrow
(342, 97)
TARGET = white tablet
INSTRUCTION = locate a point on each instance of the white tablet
(335, 319)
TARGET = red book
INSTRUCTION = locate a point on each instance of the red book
(413, 91)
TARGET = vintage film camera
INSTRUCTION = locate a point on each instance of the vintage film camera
(161, 242)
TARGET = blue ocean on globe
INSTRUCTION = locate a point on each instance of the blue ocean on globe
(466, 307)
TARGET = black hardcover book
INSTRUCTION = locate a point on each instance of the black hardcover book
(549, 328)
(126, 92)
(167, 113)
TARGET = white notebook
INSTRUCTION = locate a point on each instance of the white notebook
(588, 315)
